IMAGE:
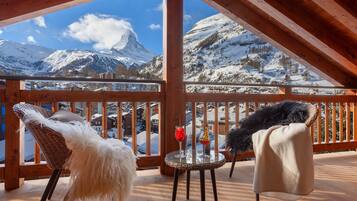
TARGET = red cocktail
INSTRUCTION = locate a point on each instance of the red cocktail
(180, 136)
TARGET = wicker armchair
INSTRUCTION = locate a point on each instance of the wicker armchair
(51, 143)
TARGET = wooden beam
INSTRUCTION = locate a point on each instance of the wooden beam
(256, 20)
(349, 5)
(13, 11)
(13, 136)
(173, 76)
(316, 21)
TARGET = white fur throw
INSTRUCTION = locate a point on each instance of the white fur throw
(101, 169)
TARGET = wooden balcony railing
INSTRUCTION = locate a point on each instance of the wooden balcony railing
(80, 102)
(334, 129)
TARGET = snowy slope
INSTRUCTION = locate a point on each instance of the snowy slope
(16, 57)
(217, 49)
(26, 59)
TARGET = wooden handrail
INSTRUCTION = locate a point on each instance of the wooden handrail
(81, 79)
(263, 85)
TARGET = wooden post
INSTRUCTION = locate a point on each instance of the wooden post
(173, 77)
(14, 140)
(285, 90)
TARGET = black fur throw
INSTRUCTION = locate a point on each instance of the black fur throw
(280, 114)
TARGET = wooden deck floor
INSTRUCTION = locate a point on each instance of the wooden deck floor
(335, 179)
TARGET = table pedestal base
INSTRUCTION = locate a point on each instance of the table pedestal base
(202, 184)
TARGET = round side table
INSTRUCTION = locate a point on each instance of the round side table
(194, 160)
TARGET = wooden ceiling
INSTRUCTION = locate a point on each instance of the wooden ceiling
(321, 34)
(12, 11)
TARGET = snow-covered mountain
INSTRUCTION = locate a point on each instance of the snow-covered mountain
(16, 58)
(217, 49)
(24, 59)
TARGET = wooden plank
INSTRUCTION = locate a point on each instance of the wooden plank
(327, 120)
(205, 119)
(349, 5)
(334, 147)
(259, 22)
(37, 153)
(14, 136)
(334, 120)
(226, 118)
(246, 108)
(16, 11)
(148, 129)
(348, 122)
(215, 128)
(120, 121)
(2, 176)
(312, 132)
(162, 124)
(235, 97)
(33, 171)
(2, 95)
(237, 114)
(89, 111)
(354, 121)
(340, 110)
(73, 107)
(133, 128)
(88, 96)
(54, 107)
(319, 124)
(172, 75)
(193, 140)
(104, 120)
(314, 19)
(148, 161)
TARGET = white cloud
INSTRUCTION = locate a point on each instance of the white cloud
(31, 39)
(1, 31)
(102, 30)
(187, 17)
(158, 7)
(154, 26)
(40, 21)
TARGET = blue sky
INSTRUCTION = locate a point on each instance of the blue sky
(144, 17)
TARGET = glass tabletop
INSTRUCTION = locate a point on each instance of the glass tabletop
(195, 160)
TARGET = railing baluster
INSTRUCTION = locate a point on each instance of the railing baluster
(89, 111)
(312, 132)
(354, 121)
(54, 107)
(348, 122)
(319, 124)
(37, 151)
(341, 122)
(216, 127)
(104, 120)
(193, 139)
(237, 114)
(73, 107)
(119, 121)
(226, 118)
(133, 127)
(148, 129)
(327, 119)
(256, 106)
(205, 120)
(246, 105)
(334, 122)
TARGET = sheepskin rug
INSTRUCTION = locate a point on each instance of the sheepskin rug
(101, 169)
